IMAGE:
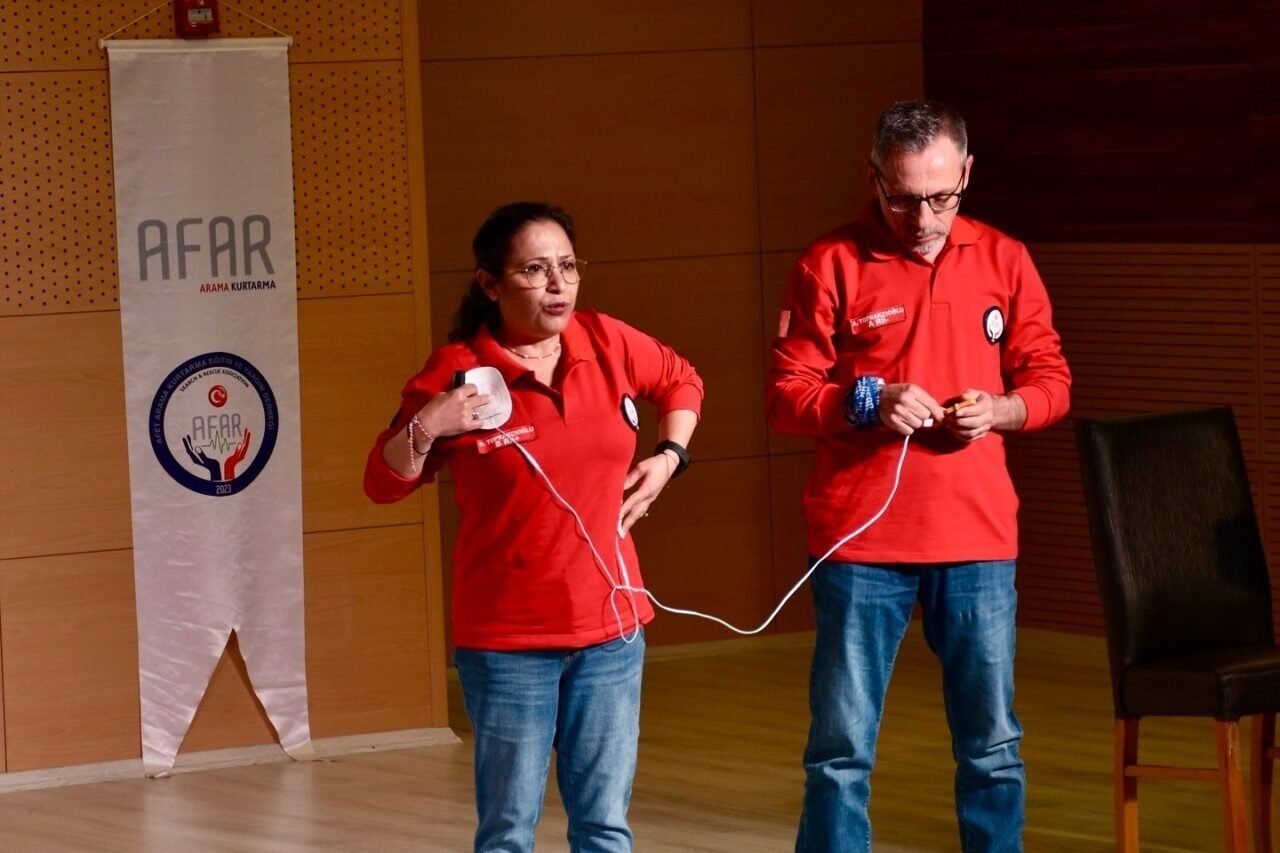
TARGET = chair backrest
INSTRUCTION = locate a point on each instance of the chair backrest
(1180, 562)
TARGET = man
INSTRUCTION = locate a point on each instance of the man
(914, 321)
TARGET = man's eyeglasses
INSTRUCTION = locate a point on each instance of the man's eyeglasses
(538, 274)
(938, 202)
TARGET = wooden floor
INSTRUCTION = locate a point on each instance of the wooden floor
(722, 731)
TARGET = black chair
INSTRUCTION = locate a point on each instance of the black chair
(1187, 601)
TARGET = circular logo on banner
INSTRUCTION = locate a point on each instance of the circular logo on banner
(993, 324)
(214, 423)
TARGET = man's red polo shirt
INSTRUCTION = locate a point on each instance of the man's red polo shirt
(978, 317)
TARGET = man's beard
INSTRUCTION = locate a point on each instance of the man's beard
(932, 245)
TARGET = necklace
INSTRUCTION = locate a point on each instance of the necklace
(532, 357)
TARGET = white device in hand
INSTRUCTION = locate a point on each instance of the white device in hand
(488, 380)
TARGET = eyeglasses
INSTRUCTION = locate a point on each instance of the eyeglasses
(938, 202)
(538, 274)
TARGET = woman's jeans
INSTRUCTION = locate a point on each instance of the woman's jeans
(968, 617)
(584, 703)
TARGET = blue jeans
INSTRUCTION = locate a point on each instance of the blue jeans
(862, 614)
(584, 703)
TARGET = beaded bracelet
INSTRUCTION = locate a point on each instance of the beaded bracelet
(862, 402)
(413, 447)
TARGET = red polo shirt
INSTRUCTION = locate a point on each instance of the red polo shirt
(523, 577)
(978, 317)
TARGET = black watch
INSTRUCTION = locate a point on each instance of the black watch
(680, 452)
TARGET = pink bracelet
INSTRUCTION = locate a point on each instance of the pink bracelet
(413, 447)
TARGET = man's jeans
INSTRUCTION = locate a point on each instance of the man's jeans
(586, 704)
(968, 617)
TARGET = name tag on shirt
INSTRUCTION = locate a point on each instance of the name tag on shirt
(518, 435)
(876, 319)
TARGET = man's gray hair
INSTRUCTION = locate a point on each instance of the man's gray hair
(909, 127)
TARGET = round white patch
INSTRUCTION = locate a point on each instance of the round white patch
(630, 412)
(993, 324)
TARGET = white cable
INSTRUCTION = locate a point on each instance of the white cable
(897, 477)
(625, 586)
(614, 588)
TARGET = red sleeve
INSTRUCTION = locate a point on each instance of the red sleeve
(1031, 357)
(800, 399)
(382, 483)
(659, 373)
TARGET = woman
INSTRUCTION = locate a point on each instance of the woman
(549, 650)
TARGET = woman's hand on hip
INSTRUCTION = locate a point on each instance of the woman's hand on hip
(648, 478)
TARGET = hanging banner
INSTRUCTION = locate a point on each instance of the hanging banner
(208, 299)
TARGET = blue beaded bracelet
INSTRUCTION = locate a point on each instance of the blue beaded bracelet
(862, 402)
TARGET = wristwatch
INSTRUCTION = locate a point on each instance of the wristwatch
(681, 454)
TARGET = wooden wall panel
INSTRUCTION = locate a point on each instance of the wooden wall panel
(40, 36)
(816, 22)
(494, 28)
(705, 547)
(646, 175)
(368, 666)
(66, 470)
(817, 107)
(787, 477)
(355, 355)
(721, 339)
(229, 714)
(776, 270)
(70, 659)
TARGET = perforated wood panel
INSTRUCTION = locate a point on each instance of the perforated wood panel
(43, 36)
(1145, 328)
(351, 182)
(57, 215)
(57, 200)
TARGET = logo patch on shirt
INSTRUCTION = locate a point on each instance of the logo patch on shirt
(876, 319)
(519, 435)
(993, 324)
(630, 413)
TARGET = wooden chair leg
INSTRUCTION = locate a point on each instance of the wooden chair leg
(1264, 739)
(1235, 821)
(1126, 787)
